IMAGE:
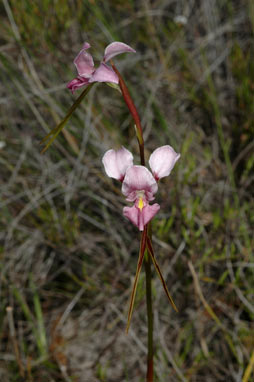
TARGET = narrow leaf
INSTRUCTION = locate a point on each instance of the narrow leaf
(139, 265)
(151, 252)
(54, 133)
(41, 337)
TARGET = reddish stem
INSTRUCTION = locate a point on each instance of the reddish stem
(149, 375)
(139, 134)
(134, 113)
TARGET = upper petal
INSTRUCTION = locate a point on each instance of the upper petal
(86, 45)
(139, 178)
(84, 62)
(162, 161)
(104, 74)
(116, 162)
(116, 48)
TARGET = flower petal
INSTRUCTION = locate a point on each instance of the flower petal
(104, 74)
(84, 62)
(139, 178)
(132, 214)
(149, 212)
(141, 217)
(162, 161)
(86, 45)
(116, 162)
(116, 48)
(77, 83)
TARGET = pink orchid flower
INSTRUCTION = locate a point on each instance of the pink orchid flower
(138, 184)
(87, 73)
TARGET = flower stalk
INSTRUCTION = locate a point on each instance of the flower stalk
(139, 185)
(130, 104)
(146, 233)
(149, 307)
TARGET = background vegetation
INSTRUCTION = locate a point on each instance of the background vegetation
(68, 256)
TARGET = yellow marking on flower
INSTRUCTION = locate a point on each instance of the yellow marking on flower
(140, 204)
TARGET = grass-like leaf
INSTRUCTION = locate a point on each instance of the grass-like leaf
(30, 318)
(54, 133)
(41, 331)
(151, 252)
(139, 265)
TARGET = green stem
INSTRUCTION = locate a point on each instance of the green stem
(149, 375)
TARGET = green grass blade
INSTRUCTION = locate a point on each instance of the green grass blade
(41, 332)
(21, 300)
(54, 133)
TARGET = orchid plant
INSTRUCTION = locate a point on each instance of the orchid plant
(139, 184)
